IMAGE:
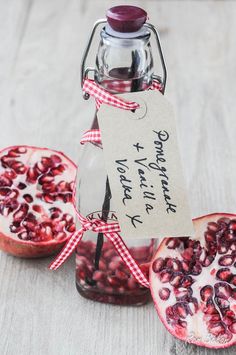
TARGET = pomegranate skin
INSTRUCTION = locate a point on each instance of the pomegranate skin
(36, 191)
(29, 250)
(208, 317)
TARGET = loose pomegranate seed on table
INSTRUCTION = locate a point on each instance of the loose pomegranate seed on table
(36, 210)
(193, 283)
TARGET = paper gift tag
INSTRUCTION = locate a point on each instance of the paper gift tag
(144, 167)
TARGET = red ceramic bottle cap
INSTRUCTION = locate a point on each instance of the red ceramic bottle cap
(126, 18)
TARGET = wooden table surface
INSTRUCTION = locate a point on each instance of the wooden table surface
(41, 43)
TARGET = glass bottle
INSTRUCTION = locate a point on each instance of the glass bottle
(124, 63)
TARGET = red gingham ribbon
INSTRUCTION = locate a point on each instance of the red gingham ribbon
(111, 233)
(103, 96)
(92, 135)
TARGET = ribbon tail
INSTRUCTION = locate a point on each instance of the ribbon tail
(67, 250)
(124, 253)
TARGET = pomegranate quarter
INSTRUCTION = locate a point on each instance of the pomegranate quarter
(36, 211)
(193, 283)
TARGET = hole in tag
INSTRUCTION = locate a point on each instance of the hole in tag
(140, 112)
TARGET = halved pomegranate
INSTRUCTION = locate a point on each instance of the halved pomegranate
(36, 210)
(193, 283)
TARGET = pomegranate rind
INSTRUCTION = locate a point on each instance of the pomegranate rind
(30, 248)
(200, 225)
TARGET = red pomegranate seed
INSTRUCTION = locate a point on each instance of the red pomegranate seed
(164, 293)
(21, 212)
(229, 236)
(19, 167)
(232, 225)
(38, 208)
(210, 308)
(99, 275)
(6, 161)
(57, 170)
(223, 290)
(196, 269)
(21, 186)
(186, 281)
(222, 248)
(233, 247)
(10, 174)
(185, 266)
(4, 181)
(171, 313)
(64, 197)
(213, 227)
(223, 221)
(30, 224)
(71, 186)
(71, 228)
(55, 159)
(173, 243)
(206, 293)
(45, 179)
(20, 150)
(47, 162)
(13, 153)
(158, 264)
(62, 186)
(176, 279)
(23, 236)
(226, 260)
(224, 274)
(4, 191)
(222, 303)
(208, 261)
(48, 198)
(60, 226)
(216, 328)
(31, 176)
(182, 293)
(181, 309)
(49, 187)
(233, 280)
(67, 217)
(41, 168)
(165, 276)
(114, 281)
(210, 236)
(28, 198)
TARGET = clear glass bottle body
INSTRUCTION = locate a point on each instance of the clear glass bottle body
(123, 65)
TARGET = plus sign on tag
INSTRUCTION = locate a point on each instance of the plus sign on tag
(144, 167)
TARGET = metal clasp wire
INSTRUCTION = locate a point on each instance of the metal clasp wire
(85, 72)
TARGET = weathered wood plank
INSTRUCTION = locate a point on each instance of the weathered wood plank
(41, 104)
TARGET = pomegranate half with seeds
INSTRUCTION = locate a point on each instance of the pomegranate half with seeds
(36, 211)
(193, 283)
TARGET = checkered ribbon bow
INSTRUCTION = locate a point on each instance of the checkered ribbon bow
(111, 232)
